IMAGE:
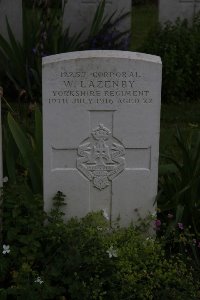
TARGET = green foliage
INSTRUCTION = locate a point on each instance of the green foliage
(23, 150)
(16, 66)
(179, 47)
(44, 35)
(178, 238)
(180, 183)
(103, 34)
(47, 258)
(143, 2)
(22, 220)
(42, 3)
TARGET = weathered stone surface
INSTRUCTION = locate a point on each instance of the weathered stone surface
(101, 112)
(170, 10)
(12, 9)
(79, 14)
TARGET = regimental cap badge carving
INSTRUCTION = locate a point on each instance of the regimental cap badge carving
(101, 157)
(101, 133)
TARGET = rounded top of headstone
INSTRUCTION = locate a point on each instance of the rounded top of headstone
(101, 54)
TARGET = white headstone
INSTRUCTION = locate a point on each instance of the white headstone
(12, 9)
(79, 14)
(101, 114)
(170, 10)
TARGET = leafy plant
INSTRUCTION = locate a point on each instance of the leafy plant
(180, 184)
(23, 151)
(179, 47)
(44, 35)
(103, 33)
(44, 258)
(15, 65)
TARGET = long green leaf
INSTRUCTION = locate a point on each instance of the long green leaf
(9, 154)
(179, 213)
(15, 45)
(17, 56)
(27, 153)
(38, 133)
(98, 19)
(5, 47)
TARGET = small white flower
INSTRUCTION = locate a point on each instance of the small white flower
(112, 252)
(105, 214)
(99, 228)
(150, 239)
(154, 214)
(39, 280)
(5, 179)
(6, 249)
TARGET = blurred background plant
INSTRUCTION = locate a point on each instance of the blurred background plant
(178, 199)
(22, 149)
(178, 45)
(103, 33)
(42, 35)
(20, 74)
(179, 183)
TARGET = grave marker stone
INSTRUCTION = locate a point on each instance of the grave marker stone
(79, 14)
(12, 9)
(170, 10)
(101, 114)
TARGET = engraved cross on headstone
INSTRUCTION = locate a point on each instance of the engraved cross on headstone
(100, 158)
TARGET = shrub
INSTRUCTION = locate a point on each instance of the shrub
(179, 185)
(179, 47)
(178, 199)
(23, 149)
(45, 258)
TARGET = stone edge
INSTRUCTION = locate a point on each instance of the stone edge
(100, 54)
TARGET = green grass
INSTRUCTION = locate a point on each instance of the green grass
(144, 17)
